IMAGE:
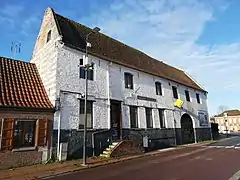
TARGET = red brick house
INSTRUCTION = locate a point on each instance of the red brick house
(26, 115)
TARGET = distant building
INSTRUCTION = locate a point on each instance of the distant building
(230, 123)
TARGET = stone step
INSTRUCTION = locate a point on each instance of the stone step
(115, 143)
(106, 152)
(104, 155)
(109, 149)
(112, 146)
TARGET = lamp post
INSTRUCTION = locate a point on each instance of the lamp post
(225, 119)
(87, 67)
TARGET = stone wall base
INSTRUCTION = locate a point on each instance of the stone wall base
(98, 140)
(10, 159)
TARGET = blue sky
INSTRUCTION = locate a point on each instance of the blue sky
(201, 37)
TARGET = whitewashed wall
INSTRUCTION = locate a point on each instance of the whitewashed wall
(58, 68)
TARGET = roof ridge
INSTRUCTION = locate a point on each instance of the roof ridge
(118, 41)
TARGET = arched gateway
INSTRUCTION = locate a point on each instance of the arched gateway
(187, 130)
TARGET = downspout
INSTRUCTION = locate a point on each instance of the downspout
(174, 127)
(108, 95)
(59, 128)
(1, 134)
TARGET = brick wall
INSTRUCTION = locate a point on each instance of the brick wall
(10, 159)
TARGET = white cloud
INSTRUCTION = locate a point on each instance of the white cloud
(168, 30)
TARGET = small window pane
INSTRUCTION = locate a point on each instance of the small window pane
(89, 114)
(198, 98)
(158, 88)
(149, 118)
(133, 117)
(161, 118)
(128, 78)
(49, 35)
(24, 134)
(187, 96)
(175, 93)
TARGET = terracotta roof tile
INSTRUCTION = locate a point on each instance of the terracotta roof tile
(104, 47)
(21, 85)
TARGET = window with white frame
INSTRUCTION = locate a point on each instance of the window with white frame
(83, 72)
(133, 117)
(149, 117)
(162, 118)
(89, 114)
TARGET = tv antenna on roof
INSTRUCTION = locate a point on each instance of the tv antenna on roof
(15, 49)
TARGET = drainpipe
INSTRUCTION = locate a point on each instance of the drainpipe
(59, 127)
(108, 95)
(1, 134)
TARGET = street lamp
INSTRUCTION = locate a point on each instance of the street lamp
(87, 66)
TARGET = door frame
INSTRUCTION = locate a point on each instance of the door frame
(119, 103)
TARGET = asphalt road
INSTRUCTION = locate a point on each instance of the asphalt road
(233, 142)
(198, 163)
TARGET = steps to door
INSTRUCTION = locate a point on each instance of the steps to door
(107, 152)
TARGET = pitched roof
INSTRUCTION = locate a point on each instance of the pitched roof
(73, 35)
(234, 112)
(21, 85)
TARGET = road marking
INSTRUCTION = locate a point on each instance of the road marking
(236, 176)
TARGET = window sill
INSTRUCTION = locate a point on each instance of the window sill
(87, 130)
(24, 149)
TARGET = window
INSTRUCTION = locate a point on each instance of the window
(149, 118)
(49, 34)
(158, 88)
(187, 95)
(198, 98)
(133, 117)
(128, 80)
(175, 93)
(24, 134)
(162, 118)
(89, 114)
(82, 71)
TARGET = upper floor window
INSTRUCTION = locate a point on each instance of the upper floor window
(175, 93)
(158, 87)
(198, 98)
(133, 117)
(49, 34)
(187, 95)
(128, 78)
(82, 71)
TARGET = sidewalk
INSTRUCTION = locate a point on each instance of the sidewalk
(46, 170)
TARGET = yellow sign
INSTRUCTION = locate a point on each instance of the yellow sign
(178, 103)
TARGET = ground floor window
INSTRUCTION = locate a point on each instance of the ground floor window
(24, 133)
(133, 117)
(89, 114)
(149, 117)
(162, 118)
(18, 133)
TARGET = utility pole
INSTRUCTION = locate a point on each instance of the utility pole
(87, 67)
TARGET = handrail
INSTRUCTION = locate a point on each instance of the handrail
(93, 139)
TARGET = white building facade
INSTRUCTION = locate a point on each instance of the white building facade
(122, 99)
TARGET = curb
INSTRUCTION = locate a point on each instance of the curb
(113, 161)
(123, 159)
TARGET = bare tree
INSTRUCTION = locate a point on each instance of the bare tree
(222, 108)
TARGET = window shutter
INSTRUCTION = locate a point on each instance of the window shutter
(7, 134)
(42, 132)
